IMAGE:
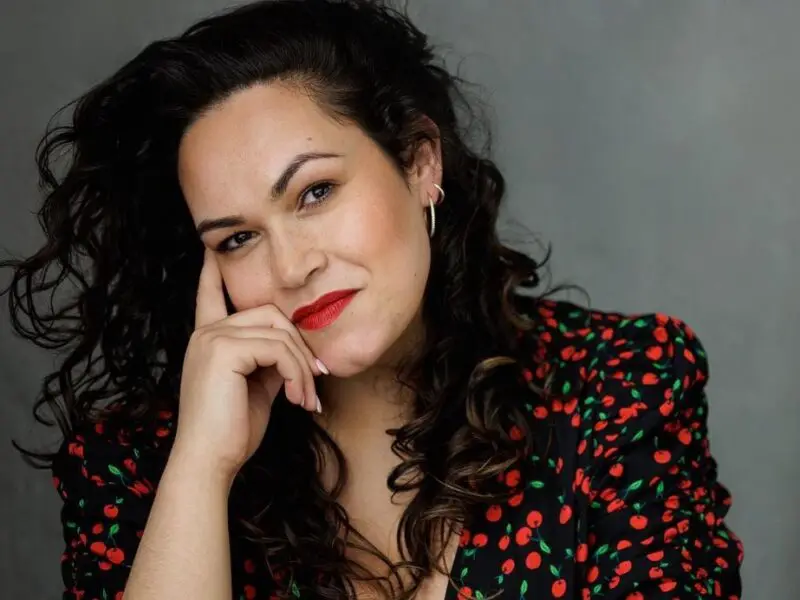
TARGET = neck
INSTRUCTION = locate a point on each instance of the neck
(371, 401)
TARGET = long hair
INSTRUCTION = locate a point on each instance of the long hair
(126, 258)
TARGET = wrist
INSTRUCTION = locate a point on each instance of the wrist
(188, 462)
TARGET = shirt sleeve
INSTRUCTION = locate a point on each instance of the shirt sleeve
(106, 481)
(655, 508)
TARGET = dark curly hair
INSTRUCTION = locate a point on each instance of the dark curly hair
(118, 228)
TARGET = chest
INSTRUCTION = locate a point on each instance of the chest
(376, 515)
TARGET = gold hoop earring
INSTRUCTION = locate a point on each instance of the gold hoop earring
(432, 209)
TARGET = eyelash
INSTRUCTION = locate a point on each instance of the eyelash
(223, 248)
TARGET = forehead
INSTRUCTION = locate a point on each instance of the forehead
(268, 123)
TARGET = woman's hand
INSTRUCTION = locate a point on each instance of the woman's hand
(234, 367)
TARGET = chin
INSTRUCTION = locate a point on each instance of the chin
(354, 354)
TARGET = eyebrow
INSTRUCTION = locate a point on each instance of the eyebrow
(278, 189)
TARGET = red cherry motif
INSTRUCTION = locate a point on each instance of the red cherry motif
(638, 522)
(523, 536)
(639, 449)
(582, 553)
(508, 566)
(662, 456)
(98, 548)
(494, 513)
(623, 567)
(465, 593)
(533, 560)
(512, 478)
(534, 519)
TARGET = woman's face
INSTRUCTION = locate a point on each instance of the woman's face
(343, 220)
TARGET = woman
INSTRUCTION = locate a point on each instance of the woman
(302, 364)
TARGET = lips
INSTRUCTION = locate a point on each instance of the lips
(323, 310)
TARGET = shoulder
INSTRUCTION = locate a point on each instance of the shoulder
(618, 383)
(112, 453)
(593, 346)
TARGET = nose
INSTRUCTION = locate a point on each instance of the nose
(294, 258)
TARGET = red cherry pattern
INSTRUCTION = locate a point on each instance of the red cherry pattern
(625, 505)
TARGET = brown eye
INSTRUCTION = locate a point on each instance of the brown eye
(240, 238)
(316, 196)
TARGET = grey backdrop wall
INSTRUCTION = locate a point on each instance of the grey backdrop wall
(655, 144)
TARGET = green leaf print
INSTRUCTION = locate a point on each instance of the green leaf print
(553, 570)
(601, 550)
(464, 572)
(565, 388)
(545, 548)
(536, 484)
(523, 587)
(635, 485)
(113, 529)
(114, 470)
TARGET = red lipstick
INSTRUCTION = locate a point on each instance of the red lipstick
(323, 311)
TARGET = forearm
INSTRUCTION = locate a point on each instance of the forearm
(185, 549)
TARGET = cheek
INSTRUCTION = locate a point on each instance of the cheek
(383, 235)
(387, 237)
(247, 285)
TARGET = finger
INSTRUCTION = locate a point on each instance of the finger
(307, 382)
(260, 352)
(270, 315)
(210, 306)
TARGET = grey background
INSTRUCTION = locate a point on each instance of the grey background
(655, 144)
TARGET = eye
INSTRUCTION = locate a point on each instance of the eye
(316, 197)
(240, 238)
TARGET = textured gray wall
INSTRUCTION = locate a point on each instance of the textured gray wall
(655, 144)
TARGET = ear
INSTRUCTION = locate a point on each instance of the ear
(426, 170)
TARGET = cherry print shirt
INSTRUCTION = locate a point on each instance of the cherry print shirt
(626, 504)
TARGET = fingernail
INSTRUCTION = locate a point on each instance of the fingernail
(322, 367)
(319, 406)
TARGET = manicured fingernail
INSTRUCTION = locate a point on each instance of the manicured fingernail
(319, 406)
(322, 367)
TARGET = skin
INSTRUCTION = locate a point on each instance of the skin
(368, 231)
